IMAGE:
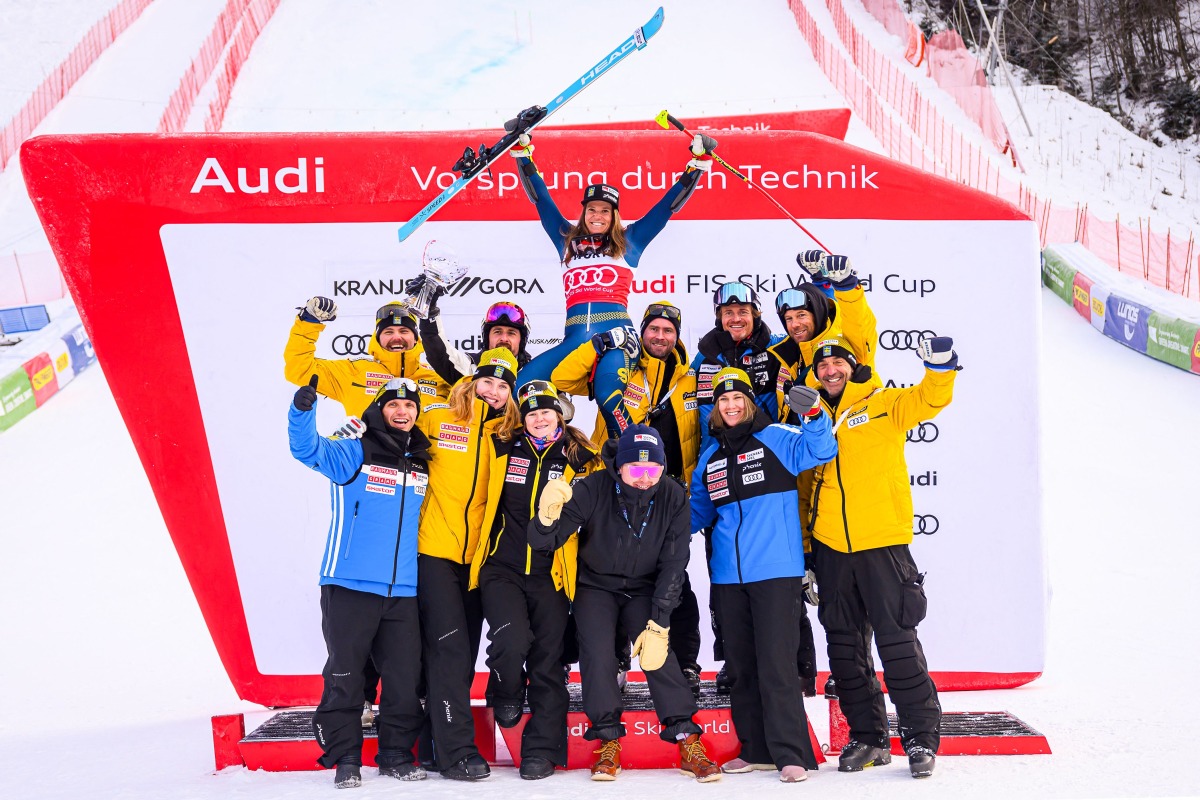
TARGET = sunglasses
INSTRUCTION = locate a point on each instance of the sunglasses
(789, 299)
(735, 292)
(510, 311)
(535, 387)
(644, 470)
(663, 310)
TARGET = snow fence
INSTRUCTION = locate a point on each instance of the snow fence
(1123, 309)
(42, 363)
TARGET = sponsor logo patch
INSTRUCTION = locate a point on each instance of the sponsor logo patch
(715, 465)
(645, 437)
(716, 476)
(858, 419)
(718, 495)
(690, 405)
(753, 477)
(753, 454)
(714, 485)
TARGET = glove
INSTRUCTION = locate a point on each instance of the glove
(319, 309)
(352, 428)
(805, 401)
(306, 395)
(622, 338)
(551, 502)
(938, 353)
(651, 647)
(703, 145)
(523, 148)
(810, 262)
(810, 587)
(839, 272)
(413, 286)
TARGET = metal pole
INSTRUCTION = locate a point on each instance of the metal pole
(1004, 69)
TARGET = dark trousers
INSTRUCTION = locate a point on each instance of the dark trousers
(598, 614)
(878, 591)
(761, 622)
(527, 620)
(359, 626)
(451, 624)
(685, 628)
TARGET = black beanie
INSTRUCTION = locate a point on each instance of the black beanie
(640, 443)
(395, 314)
(815, 303)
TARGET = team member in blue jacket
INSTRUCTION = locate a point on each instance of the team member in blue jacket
(598, 255)
(744, 487)
(740, 339)
(369, 576)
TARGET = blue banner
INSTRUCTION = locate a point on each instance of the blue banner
(80, 348)
(1127, 322)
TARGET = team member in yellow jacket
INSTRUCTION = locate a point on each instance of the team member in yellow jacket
(394, 351)
(527, 593)
(833, 304)
(464, 432)
(659, 392)
(862, 517)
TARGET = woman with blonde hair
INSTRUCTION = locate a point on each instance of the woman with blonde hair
(599, 254)
(464, 431)
(527, 593)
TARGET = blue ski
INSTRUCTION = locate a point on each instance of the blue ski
(472, 163)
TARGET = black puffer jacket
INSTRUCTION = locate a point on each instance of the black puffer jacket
(620, 556)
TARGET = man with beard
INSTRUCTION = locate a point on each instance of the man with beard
(862, 525)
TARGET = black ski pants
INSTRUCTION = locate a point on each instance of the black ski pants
(598, 614)
(880, 592)
(685, 628)
(451, 624)
(527, 620)
(761, 623)
(359, 626)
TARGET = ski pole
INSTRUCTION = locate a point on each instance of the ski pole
(666, 121)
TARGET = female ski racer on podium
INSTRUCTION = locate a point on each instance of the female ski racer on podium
(598, 256)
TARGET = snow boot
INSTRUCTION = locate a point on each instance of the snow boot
(921, 761)
(535, 768)
(608, 761)
(856, 755)
(347, 776)
(468, 768)
(694, 761)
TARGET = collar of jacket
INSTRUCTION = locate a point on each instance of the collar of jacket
(401, 364)
(733, 439)
(718, 342)
(411, 443)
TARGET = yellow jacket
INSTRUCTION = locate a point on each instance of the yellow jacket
(460, 480)
(353, 382)
(563, 566)
(851, 317)
(862, 499)
(641, 387)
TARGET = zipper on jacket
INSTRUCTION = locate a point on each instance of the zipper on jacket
(350, 538)
(474, 483)
(532, 507)
(837, 463)
(399, 525)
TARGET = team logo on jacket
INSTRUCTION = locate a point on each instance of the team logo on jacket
(715, 465)
(453, 437)
(750, 456)
(381, 480)
(418, 481)
(753, 477)
(858, 419)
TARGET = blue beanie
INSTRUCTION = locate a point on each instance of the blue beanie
(640, 443)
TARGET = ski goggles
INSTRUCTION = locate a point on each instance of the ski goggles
(734, 292)
(395, 312)
(644, 470)
(399, 389)
(790, 299)
(664, 310)
(511, 313)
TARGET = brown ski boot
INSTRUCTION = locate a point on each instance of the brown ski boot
(694, 761)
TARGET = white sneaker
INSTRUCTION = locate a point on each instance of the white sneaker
(740, 765)
(368, 715)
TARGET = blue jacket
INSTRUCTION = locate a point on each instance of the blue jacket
(377, 484)
(744, 486)
(717, 350)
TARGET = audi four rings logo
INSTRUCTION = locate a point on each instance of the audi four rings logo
(589, 276)
(925, 432)
(925, 523)
(902, 340)
(344, 345)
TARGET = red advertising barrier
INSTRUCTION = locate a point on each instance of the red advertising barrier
(56, 85)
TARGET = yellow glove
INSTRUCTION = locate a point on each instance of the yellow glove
(651, 647)
(550, 505)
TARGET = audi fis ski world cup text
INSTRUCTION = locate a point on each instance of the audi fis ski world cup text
(892, 283)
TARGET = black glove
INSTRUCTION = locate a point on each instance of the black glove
(839, 272)
(810, 262)
(306, 395)
(319, 309)
(414, 285)
(622, 338)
